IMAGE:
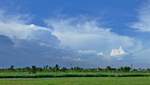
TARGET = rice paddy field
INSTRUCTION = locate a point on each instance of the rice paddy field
(79, 81)
(74, 78)
(71, 74)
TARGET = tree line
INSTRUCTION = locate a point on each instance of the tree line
(57, 68)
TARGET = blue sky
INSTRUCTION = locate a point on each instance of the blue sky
(85, 33)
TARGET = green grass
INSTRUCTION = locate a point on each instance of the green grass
(69, 74)
(79, 81)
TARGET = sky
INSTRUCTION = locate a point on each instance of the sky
(85, 33)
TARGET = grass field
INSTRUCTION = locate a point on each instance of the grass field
(71, 74)
(74, 78)
(79, 81)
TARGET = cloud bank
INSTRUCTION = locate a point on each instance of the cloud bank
(66, 41)
(28, 44)
(89, 37)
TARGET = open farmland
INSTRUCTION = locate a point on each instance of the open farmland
(71, 74)
(79, 81)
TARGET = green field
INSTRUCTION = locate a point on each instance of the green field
(71, 74)
(79, 81)
(74, 78)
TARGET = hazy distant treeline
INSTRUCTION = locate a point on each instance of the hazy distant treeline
(57, 68)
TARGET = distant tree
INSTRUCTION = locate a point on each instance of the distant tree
(77, 68)
(34, 70)
(50, 68)
(99, 69)
(56, 68)
(64, 69)
(148, 69)
(125, 69)
(108, 68)
(27, 69)
(11, 68)
(46, 68)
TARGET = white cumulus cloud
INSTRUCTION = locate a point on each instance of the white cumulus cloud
(117, 52)
(88, 35)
